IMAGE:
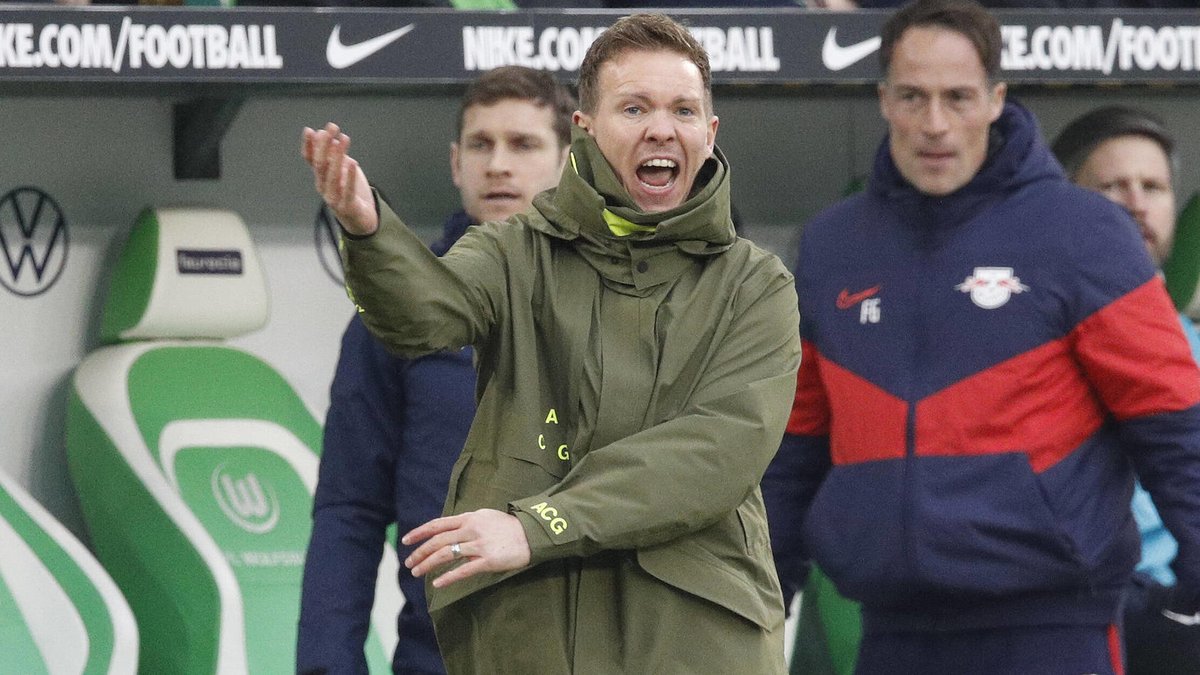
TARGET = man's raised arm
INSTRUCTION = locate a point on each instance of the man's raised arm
(339, 179)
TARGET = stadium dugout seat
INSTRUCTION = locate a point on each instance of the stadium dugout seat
(828, 630)
(60, 613)
(195, 462)
(1182, 267)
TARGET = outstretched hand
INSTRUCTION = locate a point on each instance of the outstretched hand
(339, 179)
(487, 540)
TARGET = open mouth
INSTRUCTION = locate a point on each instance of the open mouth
(658, 174)
(499, 195)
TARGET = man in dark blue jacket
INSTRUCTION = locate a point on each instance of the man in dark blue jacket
(989, 355)
(395, 426)
(1128, 155)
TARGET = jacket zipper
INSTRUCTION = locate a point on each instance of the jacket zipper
(925, 242)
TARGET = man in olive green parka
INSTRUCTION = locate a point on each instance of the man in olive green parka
(636, 367)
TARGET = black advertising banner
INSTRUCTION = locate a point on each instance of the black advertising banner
(305, 46)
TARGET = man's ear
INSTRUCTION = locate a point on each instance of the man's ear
(998, 96)
(454, 170)
(881, 92)
(582, 120)
(711, 141)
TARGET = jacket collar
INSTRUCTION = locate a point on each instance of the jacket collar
(589, 196)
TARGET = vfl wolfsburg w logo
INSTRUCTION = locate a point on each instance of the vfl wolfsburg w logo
(244, 500)
(33, 240)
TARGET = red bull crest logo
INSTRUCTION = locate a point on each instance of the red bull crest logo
(991, 287)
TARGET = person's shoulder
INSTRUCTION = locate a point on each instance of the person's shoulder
(836, 215)
(758, 260)
(1066, 201)
(755, 270)
(1085, 229)
(495, 229)
(830, 229)
(512, 240)
(1085, 213)
(527, 226)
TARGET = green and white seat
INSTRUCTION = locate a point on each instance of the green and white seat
(1182, 267)
(196, 462)
(60, 613)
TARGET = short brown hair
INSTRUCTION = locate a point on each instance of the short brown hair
(965, 17)
(522, 84)
(1077, 141)
(641, 32)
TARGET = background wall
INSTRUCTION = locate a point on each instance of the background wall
(102, 159)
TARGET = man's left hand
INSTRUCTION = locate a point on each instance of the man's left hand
(1182, 607)
(487, 540)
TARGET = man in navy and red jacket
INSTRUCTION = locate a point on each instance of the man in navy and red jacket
(395, 426)
(989, 356)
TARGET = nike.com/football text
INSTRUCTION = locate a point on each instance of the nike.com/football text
(1086, 48)
(731, 49)
(89, 45)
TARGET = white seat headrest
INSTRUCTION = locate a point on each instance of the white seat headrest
(185, 273)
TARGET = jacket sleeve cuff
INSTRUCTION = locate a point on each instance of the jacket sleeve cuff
(547, 529)
(378, 219)
(540, 544)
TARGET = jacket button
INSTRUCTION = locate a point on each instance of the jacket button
(643, 266)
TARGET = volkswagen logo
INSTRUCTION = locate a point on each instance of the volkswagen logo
(33, 240)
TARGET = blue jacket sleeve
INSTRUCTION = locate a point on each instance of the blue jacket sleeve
(1158, 546)
(1129, 343)
(788, 488)
(353, 506)
(791, 481)
(1165, 449)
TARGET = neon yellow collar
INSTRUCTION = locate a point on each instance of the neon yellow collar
(622, 227)
(616, 224)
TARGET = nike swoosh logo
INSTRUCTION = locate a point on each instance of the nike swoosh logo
(836, 57)
(343, 56)
(846, 299)
(1185, 619)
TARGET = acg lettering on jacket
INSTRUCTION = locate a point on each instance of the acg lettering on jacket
(550, 515)
(562, 452)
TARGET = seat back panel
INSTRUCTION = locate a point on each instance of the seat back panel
(57, 600)
(22, 651)
(218, 457)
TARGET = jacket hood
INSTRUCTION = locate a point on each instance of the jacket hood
(589, 195)
(454, 227)
(1017, 157)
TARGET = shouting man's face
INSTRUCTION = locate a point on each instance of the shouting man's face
(653, 125)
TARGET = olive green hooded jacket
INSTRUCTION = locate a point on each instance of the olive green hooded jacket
(632, 391)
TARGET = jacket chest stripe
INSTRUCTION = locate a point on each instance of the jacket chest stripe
(1038, 403)
(810, 407)
(865, 422)
(1137, 355)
